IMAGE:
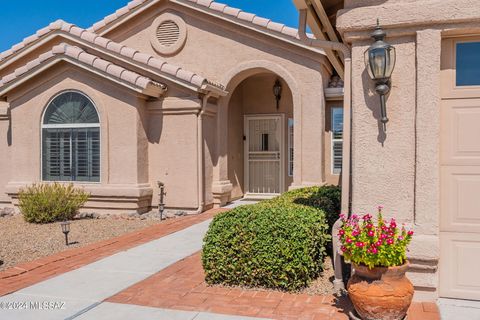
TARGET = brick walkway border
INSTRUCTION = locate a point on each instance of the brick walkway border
(181, 286)
(29, 273)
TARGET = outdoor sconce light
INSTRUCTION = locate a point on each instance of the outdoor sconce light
(380, 61)
(66, 229)
(277, 91)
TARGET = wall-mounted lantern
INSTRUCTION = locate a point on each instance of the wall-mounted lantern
(380, 61)
(277, 91)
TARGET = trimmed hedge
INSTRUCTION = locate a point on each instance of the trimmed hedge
(45, 203)
(326, 198)
(278, 244)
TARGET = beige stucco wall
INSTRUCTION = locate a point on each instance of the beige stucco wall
(5, 150)
(219, 51)
(124, 165)
(145, 141)
(401, 169)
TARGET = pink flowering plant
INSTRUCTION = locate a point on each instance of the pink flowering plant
(383, 244)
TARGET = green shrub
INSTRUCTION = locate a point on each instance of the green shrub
(273, 244)
(325, 198)
(45, 203)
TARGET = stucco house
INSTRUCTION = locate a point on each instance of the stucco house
(214, 102)
(425, 169)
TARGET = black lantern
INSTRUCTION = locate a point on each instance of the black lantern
(380, 62)
(277, 91)
(65, 229)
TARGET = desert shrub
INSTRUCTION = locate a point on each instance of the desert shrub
(277, 245)
(45, 203)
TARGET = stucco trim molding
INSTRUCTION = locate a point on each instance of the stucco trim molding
(96, 190)
(103, 198)
(116, 51)
(84, 60)
(4, 110)
(179, 42)
(242, 71)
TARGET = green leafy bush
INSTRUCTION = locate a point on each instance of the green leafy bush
(326, 198)
(45, 203)
(274, 244)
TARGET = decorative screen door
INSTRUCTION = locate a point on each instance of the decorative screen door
(264, 146)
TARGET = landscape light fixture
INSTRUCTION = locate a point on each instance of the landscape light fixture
(65, 229)
(380, 61)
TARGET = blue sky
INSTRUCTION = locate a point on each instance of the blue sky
(20, 19)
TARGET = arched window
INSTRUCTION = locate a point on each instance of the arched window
(71, 139)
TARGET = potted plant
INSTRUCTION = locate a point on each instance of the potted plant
(378, 288)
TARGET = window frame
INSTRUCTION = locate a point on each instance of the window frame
(333, 141)
(456, 43)
(71, 126)
(290, 147)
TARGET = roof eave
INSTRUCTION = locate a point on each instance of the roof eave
(322, 29)
(150, 90)
(192, 5)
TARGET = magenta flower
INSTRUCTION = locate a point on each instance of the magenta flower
(410, 233)
(349, 240)
(374, 250)
(393, 224)
(379, 243)
(360, 244)
(400, 238)
(367, 217)
(341, 232)
(355, 233)
(390, 241)
(371, 233)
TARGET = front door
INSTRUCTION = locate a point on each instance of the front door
(264, 144)
(460, 169)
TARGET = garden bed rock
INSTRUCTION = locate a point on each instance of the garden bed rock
(22, 242)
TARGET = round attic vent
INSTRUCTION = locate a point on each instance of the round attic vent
(169, 33)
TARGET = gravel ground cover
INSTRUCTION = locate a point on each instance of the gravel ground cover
(22, 242)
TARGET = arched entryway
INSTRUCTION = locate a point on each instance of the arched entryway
(260, 150)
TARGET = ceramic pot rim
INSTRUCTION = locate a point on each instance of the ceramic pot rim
(379, 272)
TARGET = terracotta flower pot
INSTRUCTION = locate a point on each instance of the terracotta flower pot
(380, 293)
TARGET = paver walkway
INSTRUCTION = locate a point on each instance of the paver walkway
(29, 273)
(182, 287)
(155, 273)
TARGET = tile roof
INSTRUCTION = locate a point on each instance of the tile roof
(212, 6)
(155, 63)
(80, 55)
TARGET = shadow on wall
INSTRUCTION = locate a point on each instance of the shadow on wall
(154, 123)
(372, 101)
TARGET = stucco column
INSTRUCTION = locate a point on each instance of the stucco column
(221, 186)
(384, 163)
(427, 182)
(309, 125)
